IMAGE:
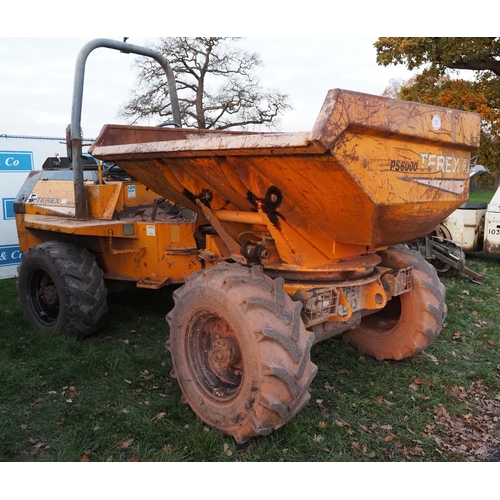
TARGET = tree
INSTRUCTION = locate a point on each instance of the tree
(442, 53)
(439, 82)
(216, 85)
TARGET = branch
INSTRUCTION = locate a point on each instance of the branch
(478, 65)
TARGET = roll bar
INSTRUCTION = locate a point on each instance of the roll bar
(73, 131)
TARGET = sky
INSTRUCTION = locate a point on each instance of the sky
(306, 48)
(36, 79)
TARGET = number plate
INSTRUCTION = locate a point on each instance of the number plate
(353, 296)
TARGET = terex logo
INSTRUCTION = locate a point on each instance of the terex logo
(441, 163)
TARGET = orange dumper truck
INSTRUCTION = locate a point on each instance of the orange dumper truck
(280, 240)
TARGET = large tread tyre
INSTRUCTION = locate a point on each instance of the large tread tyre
(410, 322)
(240, 351)
(61, 289)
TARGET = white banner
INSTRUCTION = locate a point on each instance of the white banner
(18, 156)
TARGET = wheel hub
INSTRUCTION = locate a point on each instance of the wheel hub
(49, 295)
(44, 297)
(223, 357)
(214, 356)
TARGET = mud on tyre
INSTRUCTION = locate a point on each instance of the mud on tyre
(240, 351)
(410, 322)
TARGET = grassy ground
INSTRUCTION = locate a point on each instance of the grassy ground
(481, 196)
(110, 397)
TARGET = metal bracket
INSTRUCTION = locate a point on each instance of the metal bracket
(229, 241)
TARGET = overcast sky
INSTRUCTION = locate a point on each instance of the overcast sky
(36, 74)
(36, 79)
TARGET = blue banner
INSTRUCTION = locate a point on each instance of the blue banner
(8, 208)
(10, 255)
(16, 161)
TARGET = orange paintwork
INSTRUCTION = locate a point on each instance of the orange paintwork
(372, 172)
(128, 247)
(318, 205)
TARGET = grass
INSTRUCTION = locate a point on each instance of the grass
(110, 397)
(481, 196)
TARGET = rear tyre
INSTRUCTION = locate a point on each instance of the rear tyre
(240, 351)
(410, 322)
(61, 289)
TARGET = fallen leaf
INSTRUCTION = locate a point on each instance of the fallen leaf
(390, 437)
(84, 458)
(321, 425)
(227, 451)
(342, 423)
(159, 416)
(431, 357)
(317, 438)
(386, 427)
(123, 445)
(413, 386)
(127, 381)
(491, 342)
(167, 448)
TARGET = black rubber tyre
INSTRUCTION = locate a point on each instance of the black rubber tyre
(443, 235)
(240, 351)
(61, 289)
(445, 270)
(410, 322)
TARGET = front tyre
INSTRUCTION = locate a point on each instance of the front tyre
(409, 322)
(61, 289)
(240, 351)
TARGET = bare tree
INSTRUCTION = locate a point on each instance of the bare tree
(215, 84)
